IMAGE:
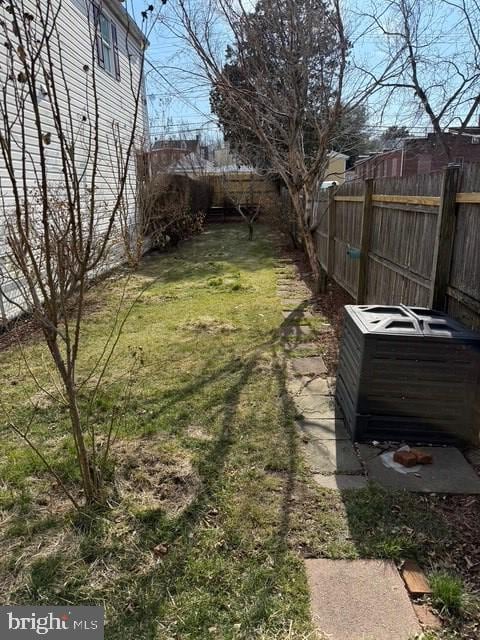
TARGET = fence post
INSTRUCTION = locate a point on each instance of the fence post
(365, 241)
(331, 232)
(443, 250)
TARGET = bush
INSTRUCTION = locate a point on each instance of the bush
(173, 208)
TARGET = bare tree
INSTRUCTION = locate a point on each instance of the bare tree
(439, 45)
(68, 177)
(245, 197)
(286, 82)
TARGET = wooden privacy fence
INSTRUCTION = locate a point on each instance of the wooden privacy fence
(246, 188)
(413, 240)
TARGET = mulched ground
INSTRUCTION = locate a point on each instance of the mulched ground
(19, 331)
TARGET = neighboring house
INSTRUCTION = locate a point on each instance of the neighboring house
(421, 155)
(192, 164)
(117, 66)
(166, 154)
(337, 167)
(225, 159)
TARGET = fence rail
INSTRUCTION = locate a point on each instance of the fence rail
(242, 188)
(413, 240)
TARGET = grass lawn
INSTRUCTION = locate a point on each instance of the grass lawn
(213, 510)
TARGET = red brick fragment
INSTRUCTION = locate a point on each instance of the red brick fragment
(423, 458)
(406, 458)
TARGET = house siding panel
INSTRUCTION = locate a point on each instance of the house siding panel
(115, 108)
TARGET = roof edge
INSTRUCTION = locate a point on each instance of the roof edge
(120, 12)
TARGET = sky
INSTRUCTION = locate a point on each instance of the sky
(178, 100)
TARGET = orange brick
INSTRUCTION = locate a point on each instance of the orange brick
(423, 458)
(406, 458)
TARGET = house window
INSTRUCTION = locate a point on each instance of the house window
(107, 43)
(459, 161)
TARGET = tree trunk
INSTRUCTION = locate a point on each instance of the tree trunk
(250, 230)
(89, 484)
(90, 487)
(303, 210)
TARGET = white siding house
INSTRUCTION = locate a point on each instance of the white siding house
(110, 58)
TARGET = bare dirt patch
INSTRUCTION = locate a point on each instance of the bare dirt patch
(197, 432)
(154, 479)
(208, 324)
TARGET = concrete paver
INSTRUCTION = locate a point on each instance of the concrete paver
(311, 405)
(309, 366)
(331, 456)
(315, 386)
(339, 482)
(297, 315)
(360, 600)
(322, 429)
(318, 386)
(290, 302)
(310, 348)
(294, 330)
(450, 472)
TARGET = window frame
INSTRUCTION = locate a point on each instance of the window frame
(103, 23)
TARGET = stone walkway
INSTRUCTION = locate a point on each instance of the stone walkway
(350, 599)
(327, 446)
(328, 449)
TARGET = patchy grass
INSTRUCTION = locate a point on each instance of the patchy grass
(193, 544)
(212, 510)
(447, 592)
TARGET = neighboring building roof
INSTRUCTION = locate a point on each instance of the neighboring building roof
(379, 154)
(192, 163)
(337, 154)
(190, 145)
(234, 168)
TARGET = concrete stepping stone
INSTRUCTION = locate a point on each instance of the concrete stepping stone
(427, 617)
(331, 456)
(360, 600)
(290, 292)
(310, 404)
(322, 429)
(318, 386)
(291, 302)
(295, 331)
(296, 314)
(339, 482)
(304, 349)
(314, 386)
(450, 472)
(309, 366)
(296, 385)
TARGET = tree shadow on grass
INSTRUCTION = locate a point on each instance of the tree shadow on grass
(157, 590)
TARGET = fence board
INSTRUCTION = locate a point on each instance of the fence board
(465, 269)
(401, 249)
